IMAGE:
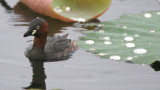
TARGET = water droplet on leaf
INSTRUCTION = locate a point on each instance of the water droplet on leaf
(106, 38)
(158, 13)
(115, 57)
(92, 49)
(140, 51)
(107, 43)
(136, 35)
(89, 42)
(124, 27)
(78, 19)
(128, 38)
(58, 9)
(102, 54)
(68, 8)
(129, 58)
(100, 25)
(147, 15)
(152, 31)
(130, 45)
(125, 34)
(101, 31)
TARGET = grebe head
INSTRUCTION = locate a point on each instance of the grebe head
(36, 27)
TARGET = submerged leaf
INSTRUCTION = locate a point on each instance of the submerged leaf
(134, 38)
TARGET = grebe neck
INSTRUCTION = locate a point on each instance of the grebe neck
(40, 40)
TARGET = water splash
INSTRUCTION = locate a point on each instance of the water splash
(140, 51)
(89, 42)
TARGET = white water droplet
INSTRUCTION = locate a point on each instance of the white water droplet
(130, 45)
(115, 57)
(78, 19)
(128, 38)
(124, 27)
(68, 8)
(57, 9)
(152, 31)
(129, 58)
(136, 35)
(125, 34)
(106, 38)
(102, 54)
(92, 49)
(140, 51)
(107, 43)
(158, 13)
(101, 31)
(100, 25)
(147, 15)
(89, 42)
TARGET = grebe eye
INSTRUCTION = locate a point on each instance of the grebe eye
(37, 27)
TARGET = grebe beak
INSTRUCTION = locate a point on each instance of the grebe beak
(28, 33)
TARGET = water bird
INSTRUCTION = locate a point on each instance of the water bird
(47, 49)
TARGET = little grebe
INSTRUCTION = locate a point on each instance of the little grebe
(56, 48)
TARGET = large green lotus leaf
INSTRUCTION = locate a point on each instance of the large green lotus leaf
(134, 38)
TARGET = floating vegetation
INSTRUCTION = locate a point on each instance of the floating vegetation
(140, 43)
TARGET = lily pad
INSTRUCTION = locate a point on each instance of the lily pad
(134, 38)
(69, 10)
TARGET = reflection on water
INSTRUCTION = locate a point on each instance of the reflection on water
(6, 6)
(38, 77)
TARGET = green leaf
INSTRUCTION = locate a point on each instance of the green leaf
(57, 89)
(80, 10)
(134, 38)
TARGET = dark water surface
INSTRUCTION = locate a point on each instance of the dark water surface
(83, 71)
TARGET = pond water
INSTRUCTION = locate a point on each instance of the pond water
(83, 71)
